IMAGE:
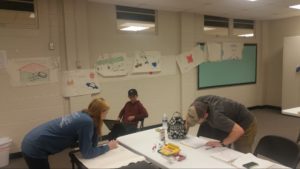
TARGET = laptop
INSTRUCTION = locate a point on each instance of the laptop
(110, 123)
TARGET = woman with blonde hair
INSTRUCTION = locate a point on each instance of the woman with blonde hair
(56, 135)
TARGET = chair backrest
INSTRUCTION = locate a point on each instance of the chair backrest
(279, 149)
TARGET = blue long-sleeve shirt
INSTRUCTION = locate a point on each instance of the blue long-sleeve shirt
(58, 134)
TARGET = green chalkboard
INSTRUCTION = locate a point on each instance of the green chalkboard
(229, 72)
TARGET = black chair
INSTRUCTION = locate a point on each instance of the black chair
(279, 149)
(141, 124)
(298, 139)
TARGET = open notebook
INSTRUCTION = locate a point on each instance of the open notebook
(115, 158)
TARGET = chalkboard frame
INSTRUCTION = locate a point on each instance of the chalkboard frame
(232, 84)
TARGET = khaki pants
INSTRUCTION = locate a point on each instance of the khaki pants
(245, 142)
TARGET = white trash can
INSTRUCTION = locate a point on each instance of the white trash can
(4, 151)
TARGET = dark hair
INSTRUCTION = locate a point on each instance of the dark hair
(132, 92)
(201, 108)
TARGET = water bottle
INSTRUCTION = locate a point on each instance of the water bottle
(164, 128)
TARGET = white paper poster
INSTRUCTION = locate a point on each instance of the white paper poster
(109, 65)
(191, 59)
(214, 51)
(33, 71)
(3, 59)
(79, 82)
(147, 62)
(232, 50)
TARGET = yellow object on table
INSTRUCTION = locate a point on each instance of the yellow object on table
(169, 149)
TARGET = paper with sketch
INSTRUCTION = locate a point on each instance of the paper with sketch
(147, 62)
(3, 59)
(79, 82)
(115, 158)
(188, 60)
(32, 71)
(194, 142)
(232, 50)
(109, 65)
(227, 155)
(247, 158)
(214, 50)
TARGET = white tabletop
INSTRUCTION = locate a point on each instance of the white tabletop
(293, 111)
(143, 143)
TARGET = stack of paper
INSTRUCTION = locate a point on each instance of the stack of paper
(227, 155)
(115, 158)
(247, 158)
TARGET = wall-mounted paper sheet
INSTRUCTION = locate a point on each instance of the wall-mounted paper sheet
(33, 71)
(232, 50)
(191, 59)
(79, 82)
(147, 61)
(115, 64)
(214, 51)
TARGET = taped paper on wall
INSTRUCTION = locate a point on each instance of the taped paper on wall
(109, 65)
(33, 71)
(147, 62)
(79, 82)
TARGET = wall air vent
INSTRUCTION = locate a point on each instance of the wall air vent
(17, 5)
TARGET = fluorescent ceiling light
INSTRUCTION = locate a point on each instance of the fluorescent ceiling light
(295, 6)
(209, 28)
(252, 0)
(246, 35)
(134, 28)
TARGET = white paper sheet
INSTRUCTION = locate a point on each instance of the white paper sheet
(115, 64)
(227, 155)
(247, 158)
(189, 60)
(147, 62)
(232, 50)
(79, 82)
(112, 159)
(195, 142)
(33, 71)
(214, 51)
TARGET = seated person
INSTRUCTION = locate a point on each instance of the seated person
(132, 112)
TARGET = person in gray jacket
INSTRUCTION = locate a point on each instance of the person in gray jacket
(226, 120)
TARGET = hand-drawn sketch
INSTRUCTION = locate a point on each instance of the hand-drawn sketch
(79, 82)
(232, 50)
(32, 71)
(114, 64)
(147, 62)
(191, 59)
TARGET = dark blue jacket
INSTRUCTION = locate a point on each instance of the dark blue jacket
(58, 134)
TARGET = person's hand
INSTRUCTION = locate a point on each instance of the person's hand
(112, 144)
(214, 144)
(130, 118)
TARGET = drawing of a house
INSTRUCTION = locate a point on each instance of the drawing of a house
(34, 72)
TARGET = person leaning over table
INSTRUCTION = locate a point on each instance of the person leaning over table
(222, 115)
(56, 135)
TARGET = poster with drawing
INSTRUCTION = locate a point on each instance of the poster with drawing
(33, 71)
(109, 65)
(188, 60)
(146, 62)
(3, 59)
(79, 82)
(232, 50)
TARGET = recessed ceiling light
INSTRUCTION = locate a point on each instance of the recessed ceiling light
(295, 6)
(247, 35)
(252, 0)
(134, 28)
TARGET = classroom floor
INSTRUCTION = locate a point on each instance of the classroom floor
(270, 122)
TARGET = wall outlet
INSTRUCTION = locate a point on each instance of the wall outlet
(51, 46)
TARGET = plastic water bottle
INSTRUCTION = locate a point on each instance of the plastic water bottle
(164, 128)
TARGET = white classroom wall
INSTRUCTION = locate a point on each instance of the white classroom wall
(82, 30)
